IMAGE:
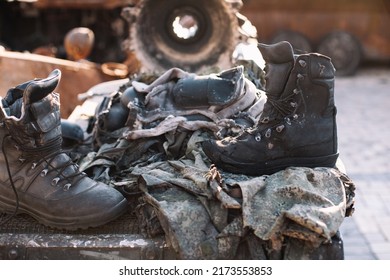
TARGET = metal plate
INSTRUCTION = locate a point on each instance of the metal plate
(23, 238)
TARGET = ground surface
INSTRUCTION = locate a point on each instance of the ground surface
(363, 103)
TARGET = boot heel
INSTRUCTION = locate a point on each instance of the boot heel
(311, 162)
(6, 208)
(325, 161)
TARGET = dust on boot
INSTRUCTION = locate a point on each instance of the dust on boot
(298, 123)
(37, 177)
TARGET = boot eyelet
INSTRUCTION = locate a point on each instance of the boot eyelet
(296, 91)
(67, 187)
(295, 117)
(288, 121)
(44, 172)
(33, 165)
(268, 133)
(293, 104)
(280, 128)
(258, 137)
(55, 181)
(302, 63)
(265, 120)
(300, 76)
(22, 159)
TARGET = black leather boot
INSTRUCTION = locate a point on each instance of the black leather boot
(297, 126)
(219, 89)
(36, 177)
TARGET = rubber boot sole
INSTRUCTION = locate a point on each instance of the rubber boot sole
(67, 223)
(272, 166)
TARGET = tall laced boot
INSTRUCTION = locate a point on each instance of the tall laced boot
(297, 126)
(36, 177)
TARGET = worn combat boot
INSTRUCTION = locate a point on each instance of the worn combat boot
(219, 90)
(36, 177)
(298, 124)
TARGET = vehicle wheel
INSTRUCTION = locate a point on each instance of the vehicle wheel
(298, 41)
(344, 50)
(188, 34)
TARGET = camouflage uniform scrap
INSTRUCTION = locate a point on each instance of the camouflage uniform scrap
(206, 213)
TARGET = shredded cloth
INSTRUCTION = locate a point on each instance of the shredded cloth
(206, 213)
(195, 209)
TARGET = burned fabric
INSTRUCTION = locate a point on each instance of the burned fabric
(204, 212)
(202, 221)
(303, 203)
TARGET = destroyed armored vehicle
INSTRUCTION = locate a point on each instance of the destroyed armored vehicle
(156, 141)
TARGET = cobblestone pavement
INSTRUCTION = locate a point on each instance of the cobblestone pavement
(363, 103)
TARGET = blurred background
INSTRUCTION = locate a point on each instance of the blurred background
(351, 32)
(40, 26)
(354, 33)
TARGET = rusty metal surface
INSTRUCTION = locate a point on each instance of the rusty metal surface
(192, 35)
(86, 4)
(77, 77)
(367, 20)
(23, 238)
(79, 247)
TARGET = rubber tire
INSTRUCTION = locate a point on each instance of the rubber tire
(298, 41)
(344, 50)
(157, 48)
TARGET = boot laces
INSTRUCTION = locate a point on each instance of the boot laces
(51, 150)
(6, 220)
(278, 111)
(281, 107)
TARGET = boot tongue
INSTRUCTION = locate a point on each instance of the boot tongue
(42, 107)
(39, 88)
(278, 53)
(29, 93)
(33, 112)
(279, 60)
